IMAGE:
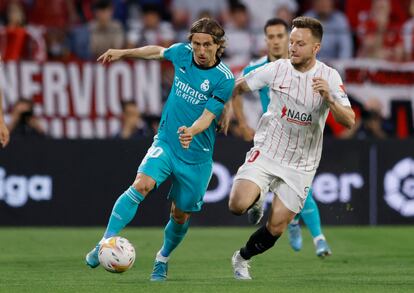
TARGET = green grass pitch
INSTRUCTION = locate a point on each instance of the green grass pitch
(364, 260)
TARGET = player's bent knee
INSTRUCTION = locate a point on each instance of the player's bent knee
(181, 218)
(235, 207)
(143, 184)
(178, 215)
(276, 229)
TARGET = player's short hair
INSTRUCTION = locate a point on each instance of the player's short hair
(212, 27)
(310, 23)
(276, 21)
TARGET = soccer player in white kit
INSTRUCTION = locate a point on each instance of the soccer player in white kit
(288, 142)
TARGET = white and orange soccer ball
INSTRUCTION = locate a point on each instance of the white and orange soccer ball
(116, 254)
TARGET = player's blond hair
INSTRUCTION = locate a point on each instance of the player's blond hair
(310, 23)
(212, 27)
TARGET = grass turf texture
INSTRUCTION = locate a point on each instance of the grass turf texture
(364, 260)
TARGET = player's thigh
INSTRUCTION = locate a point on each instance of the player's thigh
(155, 167)
(289, 197)
(251, 179)
(243, 194)
(189, 184)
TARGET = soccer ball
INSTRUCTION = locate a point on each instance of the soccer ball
(116, 254)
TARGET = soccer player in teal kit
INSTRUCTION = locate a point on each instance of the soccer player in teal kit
(183, 148)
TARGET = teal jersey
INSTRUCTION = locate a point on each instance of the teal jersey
(194, 89)
(263, 92)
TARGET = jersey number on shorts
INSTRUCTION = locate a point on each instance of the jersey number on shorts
(153, 152)
(253, 156)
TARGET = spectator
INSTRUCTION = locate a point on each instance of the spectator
(58, 48)
(185, 12)
(19, 41)
(408, 35)
(149, 29)
(240, 40)
(372, 123)
(357, 11)
(133, 126)
(14, 35)
(105, 32)
(23, 123)
(337, 40)
(153, 121)
(261, 11)
(286, 12)
(56, 13)
(378, 37)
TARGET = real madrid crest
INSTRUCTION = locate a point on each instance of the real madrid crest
(205, 85)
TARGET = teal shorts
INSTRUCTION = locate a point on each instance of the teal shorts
(189, 181)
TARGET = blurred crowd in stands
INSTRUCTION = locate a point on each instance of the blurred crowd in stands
(81, 30)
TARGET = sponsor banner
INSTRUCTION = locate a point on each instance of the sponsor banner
(341, 184)
(82, 100)
(396, 190)
(387, 81)
(76, 182)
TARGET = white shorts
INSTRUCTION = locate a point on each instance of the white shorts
(290, 185)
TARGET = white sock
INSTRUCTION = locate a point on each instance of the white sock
(317, 238)
(161, 258)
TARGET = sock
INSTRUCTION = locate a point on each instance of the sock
(310, 215)
(123, 211)
(173, 234)
(317, 238)
(295, 220)
(259, 242)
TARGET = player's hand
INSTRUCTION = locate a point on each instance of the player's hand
(321, 86)
(4, 134)
(185, 136)
(111, 55)
(224, 122)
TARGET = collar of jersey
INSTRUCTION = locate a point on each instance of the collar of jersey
(207, 68)
(299, 73)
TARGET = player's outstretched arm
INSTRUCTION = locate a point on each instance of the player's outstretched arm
(201, 124)
(4, 132)
(146, 52)
(342, 114)
(224, 122)
(246, 131)
(237, 105)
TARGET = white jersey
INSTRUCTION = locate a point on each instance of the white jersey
(291, 131)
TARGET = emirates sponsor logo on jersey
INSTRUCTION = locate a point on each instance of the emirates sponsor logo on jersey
(185, 91)
(296, 117)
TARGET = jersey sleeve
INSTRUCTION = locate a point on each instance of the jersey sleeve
(260, 77)
(173, 52)
(220, 95)
(337, 89)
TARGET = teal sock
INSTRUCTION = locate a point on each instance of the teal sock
(123, 211)
(296, 219)
(310, 215)
(173, 234)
